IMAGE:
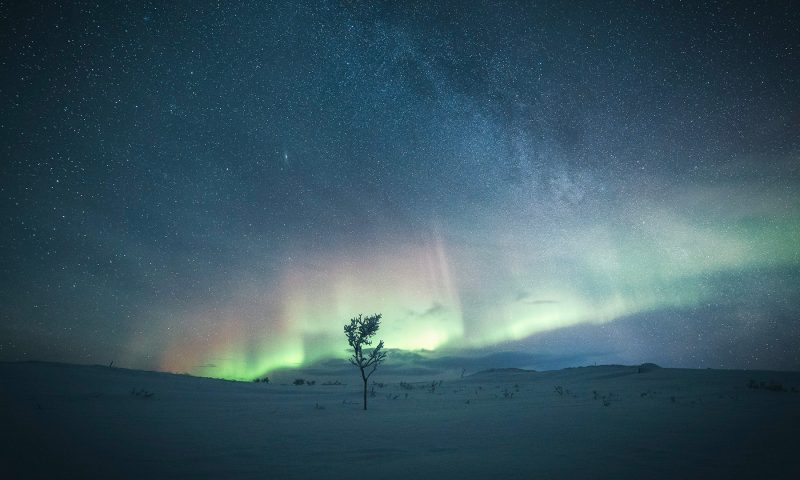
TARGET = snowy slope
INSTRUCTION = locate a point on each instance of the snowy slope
(67, 421)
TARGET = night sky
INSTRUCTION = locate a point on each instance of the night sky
(217, 189)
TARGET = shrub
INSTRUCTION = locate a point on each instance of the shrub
(141, 393)
(771, 386)
(299, 381)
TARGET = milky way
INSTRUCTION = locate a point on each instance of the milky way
(218, 189)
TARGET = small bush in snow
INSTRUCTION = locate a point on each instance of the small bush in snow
(299, 381)
(434, 384)
(141, 393)
(771, 386)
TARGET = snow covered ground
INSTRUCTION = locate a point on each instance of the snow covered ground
(67, 421)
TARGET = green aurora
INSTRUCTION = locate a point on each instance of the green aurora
(448, 295)
(217, 188)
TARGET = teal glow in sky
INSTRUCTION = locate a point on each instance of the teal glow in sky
(218, 189)
(450, 292)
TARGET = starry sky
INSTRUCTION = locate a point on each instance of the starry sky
(216, 188)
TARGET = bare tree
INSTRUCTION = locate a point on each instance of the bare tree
(359, 334)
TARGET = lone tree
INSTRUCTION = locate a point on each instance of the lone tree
(359, 333)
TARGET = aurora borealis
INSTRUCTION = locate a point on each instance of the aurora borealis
(217, 189)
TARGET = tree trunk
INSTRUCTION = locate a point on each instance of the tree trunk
(365, 394)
